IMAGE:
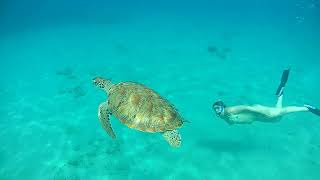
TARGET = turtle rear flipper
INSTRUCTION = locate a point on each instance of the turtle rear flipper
(103, 114)
(173, 138)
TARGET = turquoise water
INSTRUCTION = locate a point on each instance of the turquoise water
(51, 50)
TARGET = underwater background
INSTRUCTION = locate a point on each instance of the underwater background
(192, 53)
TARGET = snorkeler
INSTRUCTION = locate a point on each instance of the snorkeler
(243, 114)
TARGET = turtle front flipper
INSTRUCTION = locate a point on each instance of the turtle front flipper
(173, 138)
(103, 114)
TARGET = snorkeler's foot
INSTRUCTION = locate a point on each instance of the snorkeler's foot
(284, 79)
(313, 109)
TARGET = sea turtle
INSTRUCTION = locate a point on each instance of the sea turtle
(138, 107)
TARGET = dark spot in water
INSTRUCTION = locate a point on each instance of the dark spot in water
(291, 133)
(91, 142)
(66, 72)
(74, 162)
(212, 49)
(76, 148)
(314, 162)
(70, 129)
(78, 91)
(221, 53)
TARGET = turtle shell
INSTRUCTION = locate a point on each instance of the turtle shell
(141, 108)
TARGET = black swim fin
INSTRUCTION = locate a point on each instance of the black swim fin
(284, 79)
(313, 109)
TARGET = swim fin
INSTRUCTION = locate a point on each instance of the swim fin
(284, 79)
(313, 109)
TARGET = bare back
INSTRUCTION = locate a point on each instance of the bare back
(249, 114)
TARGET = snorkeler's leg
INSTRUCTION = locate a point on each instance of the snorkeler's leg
(305, 108)
(293, 109)
(312, 109)
(284, 79)
(279, 102)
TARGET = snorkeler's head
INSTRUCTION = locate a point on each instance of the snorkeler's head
(219, 107)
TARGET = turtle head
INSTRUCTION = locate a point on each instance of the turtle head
(102, 83)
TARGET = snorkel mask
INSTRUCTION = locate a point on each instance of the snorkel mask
(219, 107)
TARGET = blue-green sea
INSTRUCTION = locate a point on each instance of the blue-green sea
(192, 53)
